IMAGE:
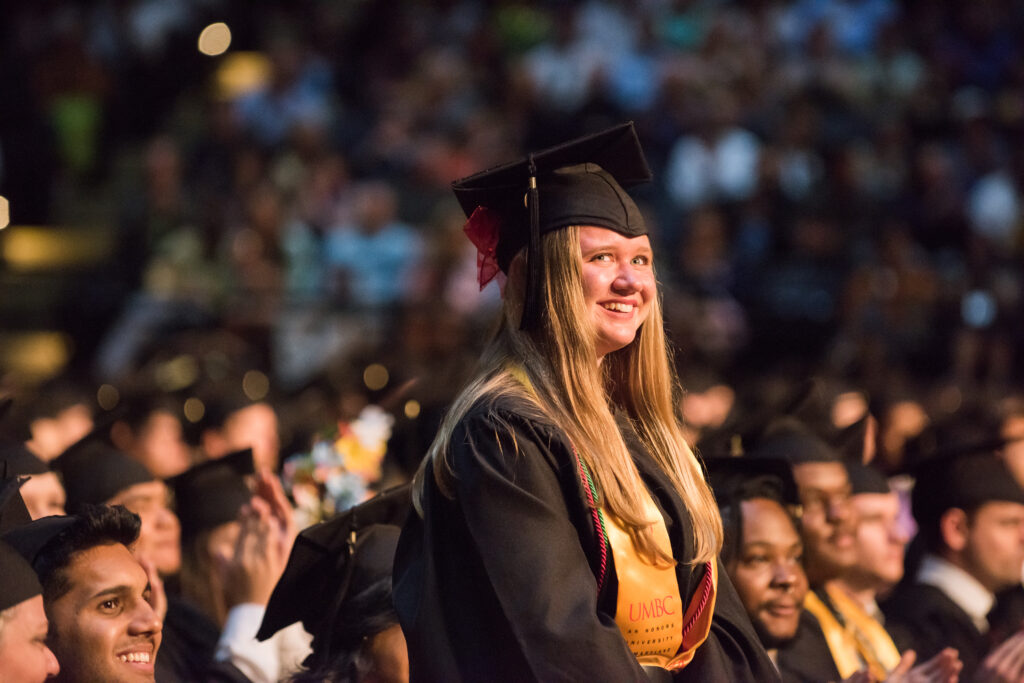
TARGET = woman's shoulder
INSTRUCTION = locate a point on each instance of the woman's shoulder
(507, 417)
(506, 408)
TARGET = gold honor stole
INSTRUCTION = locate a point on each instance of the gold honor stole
(841, 643)
(649, 611)
(873, 642)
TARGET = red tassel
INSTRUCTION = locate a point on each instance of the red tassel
(482, 231)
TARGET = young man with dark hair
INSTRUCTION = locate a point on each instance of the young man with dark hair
(95, 593)
(970, 546)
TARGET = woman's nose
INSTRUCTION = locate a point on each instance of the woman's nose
(626, 279)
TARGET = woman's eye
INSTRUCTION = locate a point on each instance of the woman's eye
(756, 559)
(601, 257)
(641, 261)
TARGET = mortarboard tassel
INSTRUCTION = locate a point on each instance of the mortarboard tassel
(534, 261)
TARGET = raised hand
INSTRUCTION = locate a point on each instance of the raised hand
(1005, 664)
(259, 558)
(942, 668)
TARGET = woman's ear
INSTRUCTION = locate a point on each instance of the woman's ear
(953, 527)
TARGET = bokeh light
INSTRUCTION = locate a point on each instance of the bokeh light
(256, 385)
(194, 409)
(215, 39)
(412, 409)
(108, 396)
(375, 376)
(177, 373)
(5, 212)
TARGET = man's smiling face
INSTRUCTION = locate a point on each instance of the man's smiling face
(103, 628)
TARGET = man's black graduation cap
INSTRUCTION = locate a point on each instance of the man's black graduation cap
(792, 441)
(94, 471)
(579, 182)
(13, 512)
(211, 493)
(731, 477)
(18, 529)
(866, 478)
(962, 480)
(19, 459)
(335, 559)
(19, 579)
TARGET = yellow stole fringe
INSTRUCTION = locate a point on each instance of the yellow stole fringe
(873, 642)
(841, 643)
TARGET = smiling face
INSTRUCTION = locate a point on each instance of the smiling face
(767, 572)
(103, 628)
(827, 523)
(24, 656)
(881, 539)
(618, 285)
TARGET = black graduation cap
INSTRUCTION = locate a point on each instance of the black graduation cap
(19, 459)
(579, 182)
(19, 579)
(211, 493)
(94, 472)
(29, 539)
(335, 559)
(18, 529)
(732, 477)
(792, 441)
(963, 480)
(866, 478)
(12, 507)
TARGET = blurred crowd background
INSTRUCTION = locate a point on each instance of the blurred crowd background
(837, 193)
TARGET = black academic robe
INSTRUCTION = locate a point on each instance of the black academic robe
(187, 644)
(189, 638)
(923, 618)
(807, 658)
(499, 583)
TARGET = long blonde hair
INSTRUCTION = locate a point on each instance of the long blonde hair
(576, 393)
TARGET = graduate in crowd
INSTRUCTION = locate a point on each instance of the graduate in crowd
(96, 473)
(103, 625)
(24, 655)
(149, 429)
(880, 540)
(837, 638)
(762, 551)
(969, 546)
(234, 548)
(821, 650)
(564, 527)
(42, 491)
(338, 585)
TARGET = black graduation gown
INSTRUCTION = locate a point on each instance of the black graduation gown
(806, 658)
(187, 645)
(499, 583)
(923, 618)
(189, 639)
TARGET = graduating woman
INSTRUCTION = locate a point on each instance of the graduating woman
(564, 530)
